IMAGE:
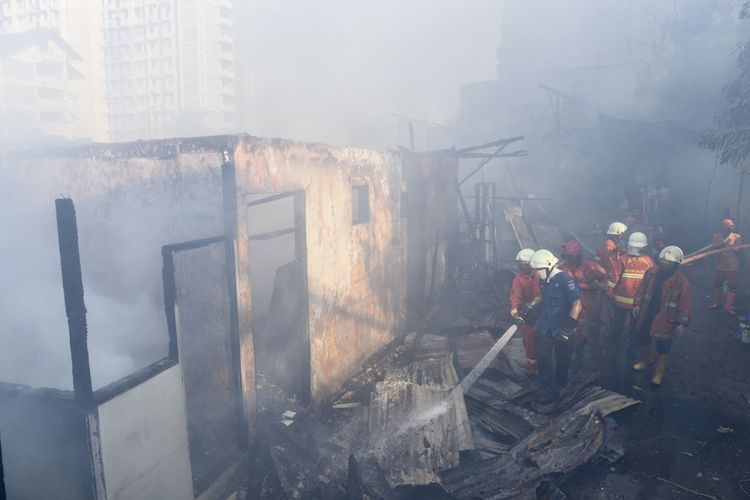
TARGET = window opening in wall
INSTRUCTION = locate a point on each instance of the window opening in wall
(360, 204)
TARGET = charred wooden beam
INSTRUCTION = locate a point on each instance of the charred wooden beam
(514, 198)
(515, 154)
(230, 217)
(2, 474)
(269, 199)
(170, 299)
(482, 164)
(311, 452)
(465, 211)
(468, 150)
(75, 307)
(353, 480)
(497, 421)
(193, 244)
(557, 448)
(271, 234)
(280, 474)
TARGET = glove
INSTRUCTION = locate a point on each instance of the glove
(567, 330)
(523, 311)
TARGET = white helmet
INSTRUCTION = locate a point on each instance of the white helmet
(525, 255)
(638, 240)
(617, 229)
(543, 259)
(672, 254)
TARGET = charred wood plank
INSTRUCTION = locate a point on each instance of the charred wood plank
(496, 421)
(486, 446)
(504, 389)
(271, 234)
(558, 448)
(297, 442)
(353, 480)
(75, 307)
(269, 199)
(279, 470)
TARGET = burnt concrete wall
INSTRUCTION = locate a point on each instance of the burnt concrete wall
(354, 271)
(431, 225)
(130, 200)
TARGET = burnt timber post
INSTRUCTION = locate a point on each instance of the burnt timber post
(75, 308)
(2, 474)
(229, 205)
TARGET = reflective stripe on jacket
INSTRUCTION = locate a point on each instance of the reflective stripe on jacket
(674, 305)
(626, 278)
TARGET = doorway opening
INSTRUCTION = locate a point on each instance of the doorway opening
(279, 294)
(199, 317)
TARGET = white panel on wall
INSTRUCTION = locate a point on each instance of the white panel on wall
(144, 442)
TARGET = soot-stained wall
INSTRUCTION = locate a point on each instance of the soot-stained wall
(133, 198)
(354, 271)
(130, 200)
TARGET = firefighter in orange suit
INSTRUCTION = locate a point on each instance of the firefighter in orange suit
(525, 295)
(623, 284)
(591, 279)
(606, 256)
(661, 310)
(727, 266)
(608, 252)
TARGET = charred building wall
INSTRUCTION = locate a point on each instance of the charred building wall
(131, 200)
(353, 266)
(357, 215)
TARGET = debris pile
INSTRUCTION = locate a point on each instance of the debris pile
(399, 425)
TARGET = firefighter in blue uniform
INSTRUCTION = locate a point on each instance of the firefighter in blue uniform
(555, 327)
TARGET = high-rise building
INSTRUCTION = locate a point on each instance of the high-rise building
(126, 69)
(52, 76)
(170, 67)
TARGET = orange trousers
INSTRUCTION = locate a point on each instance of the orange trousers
(527, 333)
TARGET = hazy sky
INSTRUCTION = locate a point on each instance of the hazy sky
(336, 70)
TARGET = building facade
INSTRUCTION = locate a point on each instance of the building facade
(140, 69)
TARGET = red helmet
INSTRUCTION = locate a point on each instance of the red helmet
(572, 248)
(727, 223)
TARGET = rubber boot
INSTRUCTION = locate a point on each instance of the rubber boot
(531, 366)
(718, 292)
(645, 360)
(729, 306)
(546, 403)
(659, 367)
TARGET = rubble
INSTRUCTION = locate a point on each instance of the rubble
(399, 425)
(417, 424)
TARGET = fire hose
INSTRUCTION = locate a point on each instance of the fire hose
(702, 255)
(580, 242)
(707, 247)
(477, 371)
